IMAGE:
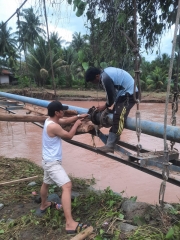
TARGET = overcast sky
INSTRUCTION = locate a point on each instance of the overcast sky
(62, 19)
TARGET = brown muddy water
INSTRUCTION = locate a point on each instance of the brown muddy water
(24, 140)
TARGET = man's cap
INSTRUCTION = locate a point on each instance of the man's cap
(56, 106)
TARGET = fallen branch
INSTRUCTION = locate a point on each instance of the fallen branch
(82, 235)
(18, 180)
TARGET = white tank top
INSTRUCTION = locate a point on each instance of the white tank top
(51, 146)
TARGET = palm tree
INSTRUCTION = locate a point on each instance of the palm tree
(54, 37)
(77, 41)
(38, 61)
(156, 80)
(7, 41)
(70, 56)
(29, 27)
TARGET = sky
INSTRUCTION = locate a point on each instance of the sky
(62, 19)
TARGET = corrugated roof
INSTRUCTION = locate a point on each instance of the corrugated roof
(5, 71)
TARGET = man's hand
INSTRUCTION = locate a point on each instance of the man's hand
(101, 108)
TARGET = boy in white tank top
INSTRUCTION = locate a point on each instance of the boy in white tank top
(52, 157)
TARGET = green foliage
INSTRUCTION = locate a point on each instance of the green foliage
(147, 233)
(133, 198)
(154, 75)
(102, 206)
(29, 28)
(24, 81)
(138, 220)
(78, 83)
(52, 188)
(102, 209)
(85, 65)
(121, 18)
(103, 65)
(170, 234)
(81, 56)
(39, 64)
(80, 5)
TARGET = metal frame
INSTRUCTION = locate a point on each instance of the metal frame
(148, 161)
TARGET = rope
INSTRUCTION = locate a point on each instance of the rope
(50, 52)
(14, 13)
(170, 72)
(165, 172)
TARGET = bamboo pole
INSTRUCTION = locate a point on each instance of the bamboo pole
(18, 180)
(82, 235)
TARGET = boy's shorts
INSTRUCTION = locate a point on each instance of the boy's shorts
(54, 173)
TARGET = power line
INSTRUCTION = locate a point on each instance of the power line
(17, 10)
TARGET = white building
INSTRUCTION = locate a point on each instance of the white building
(5, 76)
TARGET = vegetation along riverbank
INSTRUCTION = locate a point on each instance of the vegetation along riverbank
(79, 94)
(111, 215)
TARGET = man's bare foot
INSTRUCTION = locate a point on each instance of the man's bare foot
(78, 228)
(71, 226)
(46, 205)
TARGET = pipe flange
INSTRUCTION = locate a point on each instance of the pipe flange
(103, 118)
(92, 112)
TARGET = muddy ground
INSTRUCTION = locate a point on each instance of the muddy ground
(80, 95)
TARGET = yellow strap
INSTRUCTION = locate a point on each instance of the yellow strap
(121, 121)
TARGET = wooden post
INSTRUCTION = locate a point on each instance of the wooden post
(21, 118)
(85, 127)
(43, 111)
(82, 235)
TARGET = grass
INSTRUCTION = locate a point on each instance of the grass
(102, 209)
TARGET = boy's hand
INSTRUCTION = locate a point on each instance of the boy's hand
(78, 122)
(83, 115)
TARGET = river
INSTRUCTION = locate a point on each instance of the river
(24, 140)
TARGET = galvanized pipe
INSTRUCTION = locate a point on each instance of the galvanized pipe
(147, 127)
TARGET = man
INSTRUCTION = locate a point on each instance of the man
(52, 160)
(119, 87)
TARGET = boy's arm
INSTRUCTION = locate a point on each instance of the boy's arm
(56, 130)
(72, 119)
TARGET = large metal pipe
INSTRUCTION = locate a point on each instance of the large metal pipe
(151, 128)
(38, 102)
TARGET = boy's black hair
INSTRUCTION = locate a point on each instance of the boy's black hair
(91, 73)
(55, 106)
